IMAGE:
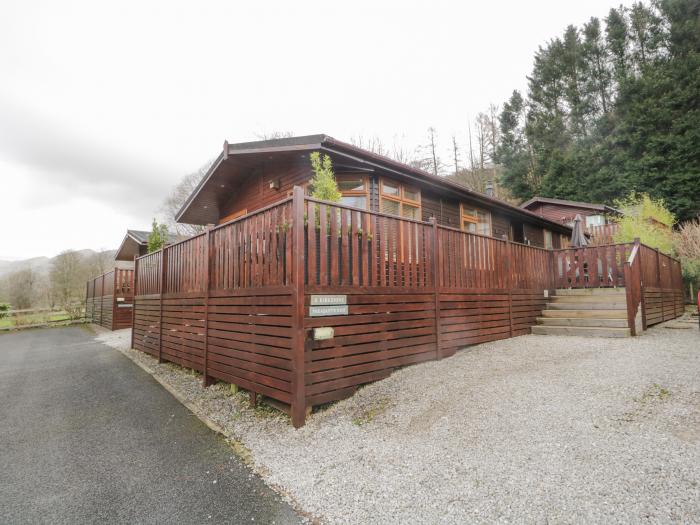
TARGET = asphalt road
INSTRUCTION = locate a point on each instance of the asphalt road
(86, 436)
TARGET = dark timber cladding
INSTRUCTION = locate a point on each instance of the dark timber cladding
(249, 176)
(234, 302)
(109, 298)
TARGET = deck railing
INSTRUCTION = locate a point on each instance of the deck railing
(235, 302)
(591, 266)
(108, 298)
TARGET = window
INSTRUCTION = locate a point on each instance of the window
(234, 215)
(595, 220)
(399, 199)
(548, 239)
(355, 190)
(475, 220)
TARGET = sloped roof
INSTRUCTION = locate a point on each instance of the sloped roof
(136, 238)
(201, 207)
(574, 204)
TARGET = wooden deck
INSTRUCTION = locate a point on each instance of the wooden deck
(235, 302)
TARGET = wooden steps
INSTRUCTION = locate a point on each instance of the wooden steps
(587, 331)
(590, 312)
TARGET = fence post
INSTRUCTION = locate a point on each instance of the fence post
(160, 304)
(102, 300)
(207, 380)
(630, 286)
(87, 293)
(298, 408)
(133, 300)
(437, 280)
(642, 301)
(509, 284)
(114, 298)
(658, 280)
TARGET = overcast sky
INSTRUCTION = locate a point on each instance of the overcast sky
(105, 105)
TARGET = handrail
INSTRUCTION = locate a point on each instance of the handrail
(219, 226)
(633, 253)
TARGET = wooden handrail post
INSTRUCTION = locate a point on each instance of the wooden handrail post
(509, 284)
(298, 408)
(642, 300)
(102, 300)
(114, 298)
(87, 293)
(207, 380)
(161, 287)
(133, 300)
(437, 280)
(658, 280)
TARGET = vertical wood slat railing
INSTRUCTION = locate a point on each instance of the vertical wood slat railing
(232, 302)
(351, 247)
(591, 266)
(603, 234)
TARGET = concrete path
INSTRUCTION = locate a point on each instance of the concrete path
(86, 436)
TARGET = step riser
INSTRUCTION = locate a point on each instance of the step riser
(582, 322)
(582, 331)
(586, 314)
(589, 291)
(585, 299)
(586, 306)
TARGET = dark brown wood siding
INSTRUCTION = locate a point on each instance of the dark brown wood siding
(254, 191)
(533, 234)
(560, 213)
(500, 226)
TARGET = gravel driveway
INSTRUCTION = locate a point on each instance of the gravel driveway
(531, 429)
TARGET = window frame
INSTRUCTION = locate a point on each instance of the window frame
(548, 236)
(474, 219)
(401, 199)
(355, 193)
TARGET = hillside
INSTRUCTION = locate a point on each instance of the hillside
(41, 265)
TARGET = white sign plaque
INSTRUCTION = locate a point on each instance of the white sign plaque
(324, 300)
(323, 311)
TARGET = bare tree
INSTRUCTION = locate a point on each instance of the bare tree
(68, 275)
(471, 147)
(433, 158)
(455, 152)
(494, 130)
(482, 139)
(22, 288)
(373, 144)
(274, 135)
(99, 262)
(179, 194)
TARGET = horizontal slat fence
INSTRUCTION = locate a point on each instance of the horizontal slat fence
(109, 299)
(233, 302)
(662, 286)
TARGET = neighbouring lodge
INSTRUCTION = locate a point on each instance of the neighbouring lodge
(598, 218)
(109, 297)
(302, 301)
(135, 244)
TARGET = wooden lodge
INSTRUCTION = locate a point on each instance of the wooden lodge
(109, 299)
(135, 244)
(598, 218)
(303, 301)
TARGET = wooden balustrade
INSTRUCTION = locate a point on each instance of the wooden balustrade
(233, 302)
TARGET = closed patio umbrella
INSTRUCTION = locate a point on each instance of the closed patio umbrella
(578, 237)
